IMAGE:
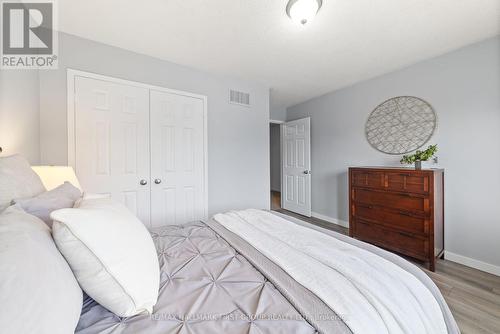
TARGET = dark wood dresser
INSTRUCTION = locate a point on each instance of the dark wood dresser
(399, 209)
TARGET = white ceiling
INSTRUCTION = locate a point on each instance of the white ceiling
(350, 40)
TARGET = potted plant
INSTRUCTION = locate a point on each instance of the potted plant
(419, 156)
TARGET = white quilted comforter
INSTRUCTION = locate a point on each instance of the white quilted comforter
(370, 293)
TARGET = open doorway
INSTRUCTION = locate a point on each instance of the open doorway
(275, 152)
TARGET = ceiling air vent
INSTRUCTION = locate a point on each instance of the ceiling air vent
(239, 98)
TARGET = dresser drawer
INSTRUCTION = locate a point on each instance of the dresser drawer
(407, 182)
(405, 202)
(368, 179)
(401, 220)
(404, 243)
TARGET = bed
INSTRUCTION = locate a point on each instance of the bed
(213, 281)
(249, 271)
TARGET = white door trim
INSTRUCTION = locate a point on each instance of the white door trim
(70, 86)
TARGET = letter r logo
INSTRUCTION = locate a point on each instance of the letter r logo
(27, 28)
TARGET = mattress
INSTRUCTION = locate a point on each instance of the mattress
(206, 286)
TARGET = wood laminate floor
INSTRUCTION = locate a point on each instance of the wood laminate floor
(472, 295)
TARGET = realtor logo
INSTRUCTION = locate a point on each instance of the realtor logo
(29, 40)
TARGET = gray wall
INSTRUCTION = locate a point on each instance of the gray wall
(277, 113)
(275, 157)
(464, 88)
(238, 137)
(19, 114)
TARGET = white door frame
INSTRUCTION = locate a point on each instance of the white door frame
(282, 128)
(280, 123)
(71, 76)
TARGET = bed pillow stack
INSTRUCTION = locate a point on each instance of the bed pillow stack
(100, 244)
(111, 253)
(38, 292)
(17, 180)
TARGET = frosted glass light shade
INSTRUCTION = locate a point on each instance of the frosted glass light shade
(54, 176)
(303, 11)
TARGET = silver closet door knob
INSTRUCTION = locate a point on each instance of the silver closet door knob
(143, 182)
(157, 181)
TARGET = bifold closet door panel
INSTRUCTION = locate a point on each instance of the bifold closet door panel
(112, 142)
(177, 158)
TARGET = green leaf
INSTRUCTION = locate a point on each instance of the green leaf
(419, 155)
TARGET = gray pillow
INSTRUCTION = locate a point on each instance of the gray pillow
(17, 180)
(42, 205)
(38, 291)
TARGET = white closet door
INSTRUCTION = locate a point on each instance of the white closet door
(177, 158)
(112, 142)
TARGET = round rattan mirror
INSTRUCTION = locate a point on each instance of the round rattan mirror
(400, 125)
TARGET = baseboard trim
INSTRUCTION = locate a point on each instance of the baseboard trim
(466, 261)
(335, 221)
(473, 263)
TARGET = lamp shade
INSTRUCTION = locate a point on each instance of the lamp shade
(54, 176)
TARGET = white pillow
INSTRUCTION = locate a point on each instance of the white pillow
(64, 196)
(111, 253)
(17, 180)
(87, 196)
(38, 292)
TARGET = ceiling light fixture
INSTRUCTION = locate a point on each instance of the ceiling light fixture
(303, 11)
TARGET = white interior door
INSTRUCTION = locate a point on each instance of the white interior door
(112, 142)
(296, 159)
(177, 158)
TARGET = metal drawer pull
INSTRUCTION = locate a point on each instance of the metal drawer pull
(143, 182)
(157, 181)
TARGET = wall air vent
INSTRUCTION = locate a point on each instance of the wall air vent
(239, 98)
